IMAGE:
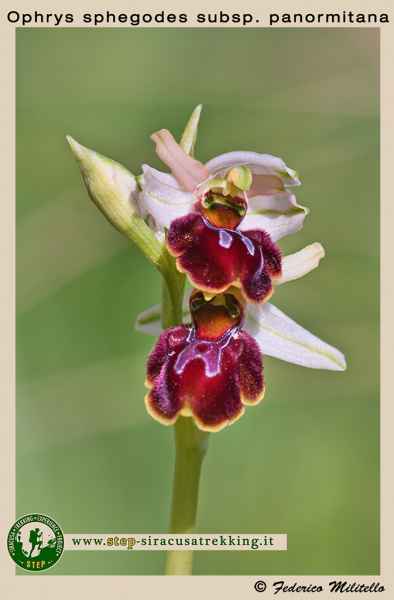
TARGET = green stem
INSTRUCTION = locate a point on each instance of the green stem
(172, 292)
(190, 447)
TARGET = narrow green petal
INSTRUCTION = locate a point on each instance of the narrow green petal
(189, 136)
(149, 321)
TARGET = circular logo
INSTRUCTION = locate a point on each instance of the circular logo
(35, 542)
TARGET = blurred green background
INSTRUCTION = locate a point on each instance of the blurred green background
(306, 461)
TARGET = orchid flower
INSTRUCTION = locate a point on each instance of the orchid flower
(228, 214)
(208, 370)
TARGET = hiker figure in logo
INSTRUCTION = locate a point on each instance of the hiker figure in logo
(35, 538)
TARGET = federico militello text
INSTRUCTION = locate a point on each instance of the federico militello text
(334, 586)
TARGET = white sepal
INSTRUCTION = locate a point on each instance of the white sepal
(281, 337)
(278, 214)
(162, 198)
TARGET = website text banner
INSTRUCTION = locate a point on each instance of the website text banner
(175, 541)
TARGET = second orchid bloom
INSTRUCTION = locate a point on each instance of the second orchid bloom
(208, 370)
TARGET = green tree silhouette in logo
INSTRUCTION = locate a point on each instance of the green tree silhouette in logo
(20, 554)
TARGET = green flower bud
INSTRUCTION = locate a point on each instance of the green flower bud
(114, 191)
(110, 185)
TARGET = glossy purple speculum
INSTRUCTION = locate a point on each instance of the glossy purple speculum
(209, 351)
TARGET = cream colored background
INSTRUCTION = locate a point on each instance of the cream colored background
(234, 587)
